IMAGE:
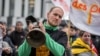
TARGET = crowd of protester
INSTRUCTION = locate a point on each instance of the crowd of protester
(81, 43)
(13, 37)
(78, 43)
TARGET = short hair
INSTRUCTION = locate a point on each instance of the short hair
(63, 23)
(30, 19)
(54, 8)
(1, 22)
(19, 22)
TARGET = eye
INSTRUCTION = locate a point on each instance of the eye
(87, 36)
(55, 14)
(58, 15)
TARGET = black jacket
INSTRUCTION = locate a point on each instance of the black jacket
(17, 38)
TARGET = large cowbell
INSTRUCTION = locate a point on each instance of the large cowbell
(36, 37)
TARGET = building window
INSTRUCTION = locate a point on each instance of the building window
(23, 6)
(31, 7)
(3, 7)
(11, 9)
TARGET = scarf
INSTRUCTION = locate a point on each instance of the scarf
(49, 27)
(80, 47)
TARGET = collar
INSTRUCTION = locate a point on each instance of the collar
(49, 27)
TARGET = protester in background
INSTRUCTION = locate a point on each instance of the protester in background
(64, 27)
(82, 45)
(96, 42)
(1, 36)
(18, 35)
(8, 40)
(73, 34)
(6, 48)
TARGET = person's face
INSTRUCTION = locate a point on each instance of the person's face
(72, 31)
(19, 26)
(65, 29)
(86, 37)
(55, 16)
(3, 28)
